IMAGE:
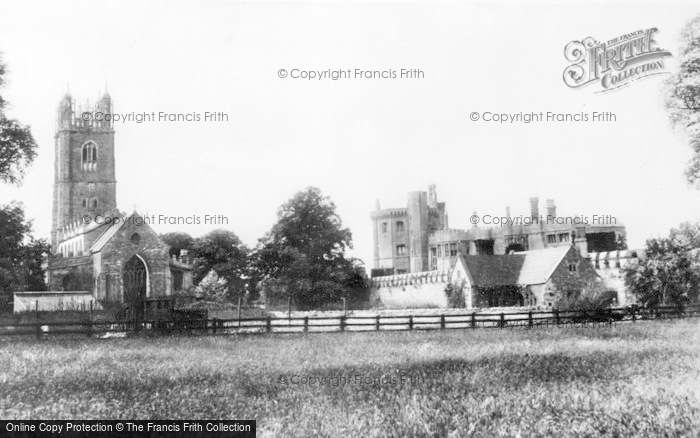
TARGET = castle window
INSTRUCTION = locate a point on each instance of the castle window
(84, 203)
(93, 203)
(400, 249)
(563, 237)
(399, 226)
(135, 238)
(551, 238)
(439, 250)
(89, 161)
(383, 227)
(453, 250)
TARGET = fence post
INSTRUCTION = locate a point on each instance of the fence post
(410, 322)
(442, 322)
(89, 328)
(306, 324)
(342, 323)
(474, 320)
(503, 319)
(239, 312)
(268, 324)
(529, 319)
(376, 323)
(634, 315)
(557, 317)
(36, 319)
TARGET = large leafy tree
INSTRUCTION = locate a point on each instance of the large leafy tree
(303, 256)
(670, 273)
(683, 95)
(222, 251)
(20, 255)
(17, 146)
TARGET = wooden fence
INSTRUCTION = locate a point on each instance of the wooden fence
(348, 323)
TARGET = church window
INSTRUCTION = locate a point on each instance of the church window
(89, 156)
(135, 238)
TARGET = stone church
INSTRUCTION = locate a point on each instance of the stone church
(114, 257)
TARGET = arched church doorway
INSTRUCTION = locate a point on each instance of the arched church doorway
(135, 284)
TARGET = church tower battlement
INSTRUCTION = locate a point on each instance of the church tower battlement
(84, 171)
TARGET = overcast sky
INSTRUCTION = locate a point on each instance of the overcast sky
(360, 139)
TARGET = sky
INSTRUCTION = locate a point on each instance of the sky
(357, 139)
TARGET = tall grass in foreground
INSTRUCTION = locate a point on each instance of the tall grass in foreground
(638, 379)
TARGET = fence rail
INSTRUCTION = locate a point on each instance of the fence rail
(347, 323)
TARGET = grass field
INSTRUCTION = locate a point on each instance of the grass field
(637, 380)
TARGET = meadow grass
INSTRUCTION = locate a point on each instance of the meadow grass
(640, 379)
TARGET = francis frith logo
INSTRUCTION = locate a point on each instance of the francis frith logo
(615, 63)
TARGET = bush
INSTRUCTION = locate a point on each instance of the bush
(455, 295)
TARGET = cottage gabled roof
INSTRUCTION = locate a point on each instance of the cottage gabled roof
(522, 268)
(494, 270)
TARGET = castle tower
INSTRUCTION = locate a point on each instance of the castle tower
(418, 227)
(84, 174)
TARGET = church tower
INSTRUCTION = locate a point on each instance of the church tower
(84, 177)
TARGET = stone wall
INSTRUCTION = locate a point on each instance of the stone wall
(416, 290)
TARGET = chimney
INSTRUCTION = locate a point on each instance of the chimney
(534, 207)
(508, 212)
(551, 209)
(377, 207)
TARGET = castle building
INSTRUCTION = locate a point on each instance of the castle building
(417, 238)
(116, 258)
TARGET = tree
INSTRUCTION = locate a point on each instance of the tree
(212, 288)
(222, 251)
(303, 256)
(683, 95)
(670, 274)
(20, 255)
(177, 242)
(17, 146)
